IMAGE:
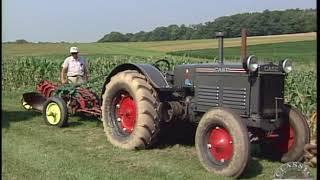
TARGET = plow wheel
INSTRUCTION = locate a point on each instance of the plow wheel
(291, 138)
(55, 112)
(222, 142)
(129, 114)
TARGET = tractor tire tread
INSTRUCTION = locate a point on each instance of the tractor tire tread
(146, 129)
(232, 122)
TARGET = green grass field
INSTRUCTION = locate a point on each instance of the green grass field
(33, 150)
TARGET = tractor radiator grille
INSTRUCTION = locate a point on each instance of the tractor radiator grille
(234, 98)
(271, 87)
(208, 96)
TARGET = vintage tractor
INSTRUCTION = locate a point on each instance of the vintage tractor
(233, 105)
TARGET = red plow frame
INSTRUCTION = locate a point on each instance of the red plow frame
(82, 101)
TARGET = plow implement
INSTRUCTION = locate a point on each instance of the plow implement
(36, 100)
(33, 100)
(56, 102)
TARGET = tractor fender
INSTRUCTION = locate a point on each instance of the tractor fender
(153, 75)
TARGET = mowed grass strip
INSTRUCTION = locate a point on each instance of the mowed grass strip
(33, 150)
(155, 48)
(301, 52)
(168, 46)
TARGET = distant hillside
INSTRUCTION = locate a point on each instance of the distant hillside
(258, 24)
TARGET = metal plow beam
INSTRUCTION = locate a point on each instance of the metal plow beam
(33, 100)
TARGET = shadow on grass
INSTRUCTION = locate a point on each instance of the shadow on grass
(82, 118)
(270, 155)
(266, 153)
(182, 133)
(73, 124)
(8, 117)
(253, 169)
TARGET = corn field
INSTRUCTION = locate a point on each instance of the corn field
(20, 72)
(23, 72)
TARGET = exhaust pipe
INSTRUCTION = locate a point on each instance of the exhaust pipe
(244, 51)
(220, 36)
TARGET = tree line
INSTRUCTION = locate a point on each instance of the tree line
(258, 24)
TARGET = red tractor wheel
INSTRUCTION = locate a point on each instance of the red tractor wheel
(129, 112)
(222, 142)
(289, 140)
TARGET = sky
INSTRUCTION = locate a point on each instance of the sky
(90, 20)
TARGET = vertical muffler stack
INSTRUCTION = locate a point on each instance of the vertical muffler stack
(220, 36)
(244, 51)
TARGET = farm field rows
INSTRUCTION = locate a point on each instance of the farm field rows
(144, 48)
(32, 150)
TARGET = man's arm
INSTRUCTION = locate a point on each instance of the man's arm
(64, 75)
(64, 71)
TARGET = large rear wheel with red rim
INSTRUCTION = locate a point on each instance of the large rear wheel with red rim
(129, 111)
(222, 142)
(287, 142)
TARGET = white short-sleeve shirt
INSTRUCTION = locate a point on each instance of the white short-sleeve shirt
(75, 66)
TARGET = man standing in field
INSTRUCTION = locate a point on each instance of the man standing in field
(74, 68)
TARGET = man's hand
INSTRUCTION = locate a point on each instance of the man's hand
(64, 81)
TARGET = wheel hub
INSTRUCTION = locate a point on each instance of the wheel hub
(220, 144)
(53, 113)
(126, 112)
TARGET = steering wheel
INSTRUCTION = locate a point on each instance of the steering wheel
(158, 65)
